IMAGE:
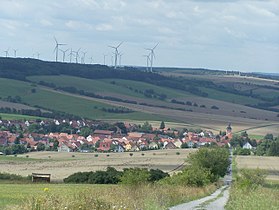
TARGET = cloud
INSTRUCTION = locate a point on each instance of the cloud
(199, 30)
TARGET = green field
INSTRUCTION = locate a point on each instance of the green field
(61, 102)
(4, 116)
(103, 197)
(119, 86)
(229, 97)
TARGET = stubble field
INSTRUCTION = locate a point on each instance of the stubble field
(60, 165)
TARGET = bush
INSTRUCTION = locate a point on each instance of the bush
(216, 160)
(177, 153)
(131, 154)
(156, 175)
(110, 176)
(96, 155)
(250, 178)
(73, 156)
(191, 176)
(135, 176)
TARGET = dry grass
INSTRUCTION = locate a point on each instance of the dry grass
(60, 165)
(270, 164)
(102, 197)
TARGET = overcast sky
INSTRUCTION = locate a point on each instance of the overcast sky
(217, 34)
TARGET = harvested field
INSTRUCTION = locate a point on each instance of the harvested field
(60, 165)
(15, 105)
(270, 164)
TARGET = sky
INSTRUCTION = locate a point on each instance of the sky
(216, 34)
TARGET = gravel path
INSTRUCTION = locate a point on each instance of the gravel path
(215, 201)
(199, 204)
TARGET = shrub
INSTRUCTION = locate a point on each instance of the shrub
(110, 176)
(177, 153)
(73, 156)
(96, 155)
(142, 154)
(191, 176)
(216, 160)
(107, 155)
(131, 154)
(156, 175)
(250, 178)
(27, 156)
(135, 176)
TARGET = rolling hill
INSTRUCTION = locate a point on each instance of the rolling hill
(99, 92)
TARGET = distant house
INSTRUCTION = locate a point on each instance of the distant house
(104, 133)
(153, 145)
(247, 145)
(177, 143)
(170, 145)
(119, 148)
(105, 145)
(64, 147)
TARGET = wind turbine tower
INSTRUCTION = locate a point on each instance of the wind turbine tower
(77, 54)
(116, 53)
(83, 57)
(152, 55)
(147, 61)
(120, 58)
(15, 51)
(71, 55)
(56, 49)
(105, 59)
(7, 52)
(64, 52)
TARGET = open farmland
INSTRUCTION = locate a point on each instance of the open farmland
(61, 165)
(270, 164)
(119, 87)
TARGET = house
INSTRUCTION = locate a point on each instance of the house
(170, 145)
(119, 148)
(105, 145)
(135, 148)
(177, 143)
(102, 133)
(247, 145)
(128, 146)
(153, 145)
(64, 147)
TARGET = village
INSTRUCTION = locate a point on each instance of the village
(102, 140)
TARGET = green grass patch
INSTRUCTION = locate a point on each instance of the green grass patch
(229, 97)
(73, 196)
(113, 86)
(5, 116)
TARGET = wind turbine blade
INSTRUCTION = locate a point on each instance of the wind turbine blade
(119, 44)
(112, 47)
(55, 49)
(155, 46)
(55, 40)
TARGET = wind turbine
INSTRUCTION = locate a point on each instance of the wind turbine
(56, 49)
(71, 55)
(15, 51)
(38, 55)
(116, 54)
(147, 61)
(64, 52)
(77, 54)
(105, 59)
(83, 57)
(91, 60)
(120, 57)
(152, 55)
(7, 52)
